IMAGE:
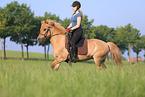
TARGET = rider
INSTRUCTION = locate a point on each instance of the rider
(76, 28)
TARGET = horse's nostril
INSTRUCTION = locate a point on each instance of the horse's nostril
(38, 39)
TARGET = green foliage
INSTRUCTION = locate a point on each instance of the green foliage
(120, 39)
(143, 41)
(51, 16)
(86, 25)
(131, 33)
(4, 28)
(65, 22)
(102, 32)
(20, 16)
(126, 35)
(137, 46)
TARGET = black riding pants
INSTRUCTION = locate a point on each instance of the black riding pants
(76, 36)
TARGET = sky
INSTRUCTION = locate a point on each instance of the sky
(112, 13)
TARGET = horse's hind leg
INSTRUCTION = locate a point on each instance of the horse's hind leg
(98, 62)
(103, 65)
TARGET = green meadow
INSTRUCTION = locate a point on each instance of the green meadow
(35, 78)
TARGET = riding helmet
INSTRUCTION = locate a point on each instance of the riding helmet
(76, 3)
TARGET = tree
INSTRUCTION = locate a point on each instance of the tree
(138, 44)
(143, 42)
(65, 22)
(102, 32)
(137, 47)
(20, 17)
(51, 16)
(1, 29)
(86, 25)
(119, 39)
(127, 36)
(2, 49)
(131, 35)
(4, 28)
(30, 38)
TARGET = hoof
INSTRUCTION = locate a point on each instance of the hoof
(52, 67)
(56, 67)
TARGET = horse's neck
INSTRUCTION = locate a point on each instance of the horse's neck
(57, 41)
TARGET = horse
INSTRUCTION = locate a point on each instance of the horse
(97, 49)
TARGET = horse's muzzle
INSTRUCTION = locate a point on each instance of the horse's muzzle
(40, 39)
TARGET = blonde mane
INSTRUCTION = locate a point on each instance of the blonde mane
(57, 25)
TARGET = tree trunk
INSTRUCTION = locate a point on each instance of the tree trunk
(137, 57)
(48, 52)
(21, 46)
(129, 53)
(2, 49)
(27, 52)
(45, 51)
(137, 53)
(144, 55)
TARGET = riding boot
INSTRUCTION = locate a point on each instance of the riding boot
(71, 54)
(74, 57)
(74, 54)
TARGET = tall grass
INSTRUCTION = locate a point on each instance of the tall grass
(34, 78)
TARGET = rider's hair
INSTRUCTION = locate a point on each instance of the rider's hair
(79, 11)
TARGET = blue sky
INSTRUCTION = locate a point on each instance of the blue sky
(112, 13)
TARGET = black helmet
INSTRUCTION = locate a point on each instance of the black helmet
(76, 3)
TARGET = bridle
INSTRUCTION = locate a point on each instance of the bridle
(45, 35)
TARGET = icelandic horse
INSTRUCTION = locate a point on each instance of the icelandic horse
(97, 49)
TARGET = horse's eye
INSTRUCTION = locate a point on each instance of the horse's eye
(44, 29)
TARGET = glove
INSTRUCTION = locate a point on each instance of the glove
(68, 29)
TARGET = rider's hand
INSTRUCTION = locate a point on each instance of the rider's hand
(68, 29)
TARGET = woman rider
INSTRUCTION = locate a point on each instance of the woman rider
(76, 28)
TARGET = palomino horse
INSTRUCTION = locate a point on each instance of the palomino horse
(97, 49)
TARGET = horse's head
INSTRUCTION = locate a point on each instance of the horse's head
(45, 30)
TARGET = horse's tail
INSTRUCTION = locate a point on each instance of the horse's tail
(115, 53)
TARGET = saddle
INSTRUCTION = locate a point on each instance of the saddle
(81, 45)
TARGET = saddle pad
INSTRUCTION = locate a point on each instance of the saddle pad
(83, 50)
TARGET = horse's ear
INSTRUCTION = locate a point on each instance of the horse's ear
(49, 22)
(46, 21)
(42, 22)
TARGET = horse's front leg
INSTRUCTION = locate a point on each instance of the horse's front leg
(60, 58)
(55, 63)
(56, 66)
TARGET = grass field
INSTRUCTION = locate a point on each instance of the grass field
(34, 78)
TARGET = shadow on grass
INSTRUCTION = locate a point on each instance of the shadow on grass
(89, 61)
